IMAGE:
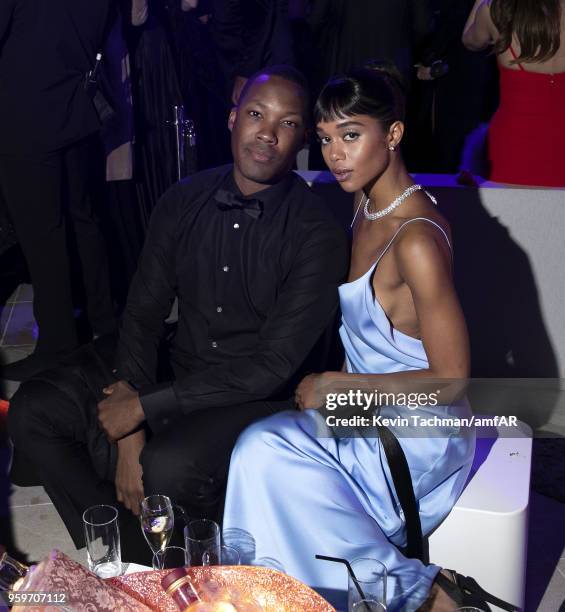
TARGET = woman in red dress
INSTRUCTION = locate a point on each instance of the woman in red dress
(527, 133)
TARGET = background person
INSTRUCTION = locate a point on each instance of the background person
(526, 134)
(49, 159)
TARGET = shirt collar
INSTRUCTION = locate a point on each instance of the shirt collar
(271, 197)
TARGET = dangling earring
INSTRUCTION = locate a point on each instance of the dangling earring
(391, 148)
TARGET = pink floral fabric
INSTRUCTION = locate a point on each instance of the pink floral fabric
(85, 592)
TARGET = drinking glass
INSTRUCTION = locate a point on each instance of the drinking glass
(10, 571)
(371, 581)
(202, 536)
(157, 521)
(170, 557)
(228, 556)
(102, 540)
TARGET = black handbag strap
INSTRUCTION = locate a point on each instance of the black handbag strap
(402, 480)
(471, 586)
(405, 491)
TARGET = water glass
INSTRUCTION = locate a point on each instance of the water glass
(170, 557)
(370, 584)
(103, 541)
(202, 536)
(10, 571)
(228, 556)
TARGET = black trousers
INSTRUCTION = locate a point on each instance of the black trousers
(188, 461)
(50, 201)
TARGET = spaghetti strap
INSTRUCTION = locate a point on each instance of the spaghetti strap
(406, 223)
(516, 57)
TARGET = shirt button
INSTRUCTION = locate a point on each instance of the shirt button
(236, 226)
(226, 268)
(219, 309)
(214, 344)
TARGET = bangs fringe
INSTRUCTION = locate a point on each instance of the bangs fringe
(336, 101)
(376, 93)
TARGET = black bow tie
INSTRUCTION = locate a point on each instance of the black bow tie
(228, 201)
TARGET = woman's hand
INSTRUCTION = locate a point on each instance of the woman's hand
(311, 392)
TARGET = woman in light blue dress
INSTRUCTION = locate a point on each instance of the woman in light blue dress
(296, 487)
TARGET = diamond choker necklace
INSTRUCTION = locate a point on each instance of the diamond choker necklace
(395, 204)
(373, 216)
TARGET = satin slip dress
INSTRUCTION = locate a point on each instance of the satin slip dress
(295, 489)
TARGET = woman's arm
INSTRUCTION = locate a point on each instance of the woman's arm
(424, 264)
(480, 31)
(425, 268)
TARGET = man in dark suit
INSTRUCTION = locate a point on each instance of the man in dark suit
(47, 121)
(250, 34)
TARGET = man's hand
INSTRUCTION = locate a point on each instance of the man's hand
(237, 87)
(311, 392)
(121, 412)
(129, 484)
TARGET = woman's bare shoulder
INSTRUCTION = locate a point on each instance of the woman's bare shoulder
(423, 239)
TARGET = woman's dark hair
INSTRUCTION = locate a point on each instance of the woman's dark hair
(536, 24)
(375, 90)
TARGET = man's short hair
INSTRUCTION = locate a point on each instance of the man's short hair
(288, 73)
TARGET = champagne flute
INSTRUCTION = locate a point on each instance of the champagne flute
(170, 557)
(157, 521)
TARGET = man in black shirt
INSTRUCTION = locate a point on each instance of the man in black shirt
(47, 141)
(255, 261)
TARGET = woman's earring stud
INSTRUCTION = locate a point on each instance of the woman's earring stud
(391, 148)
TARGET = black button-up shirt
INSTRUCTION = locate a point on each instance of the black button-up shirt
(254, 295)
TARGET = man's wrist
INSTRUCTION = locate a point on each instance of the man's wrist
(159, 404)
